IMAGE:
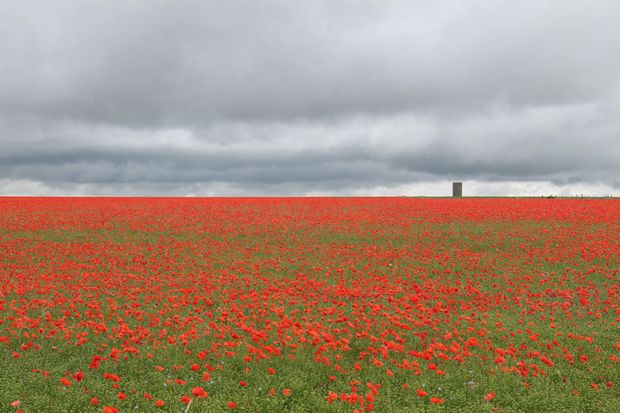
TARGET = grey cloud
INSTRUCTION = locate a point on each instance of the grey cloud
(187, 63)
(81, 166)
(300, 97)
(355, 153)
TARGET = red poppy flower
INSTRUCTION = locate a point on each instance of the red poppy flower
(199, 392)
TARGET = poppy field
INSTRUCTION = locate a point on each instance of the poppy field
(309, 305)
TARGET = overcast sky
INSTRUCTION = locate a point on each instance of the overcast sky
(333, 97)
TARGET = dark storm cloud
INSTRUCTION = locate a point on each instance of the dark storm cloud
(185, 166)
(307, 96)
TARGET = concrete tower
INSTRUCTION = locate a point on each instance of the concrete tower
(457, 189)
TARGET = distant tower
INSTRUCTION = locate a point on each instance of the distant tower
(457, 189)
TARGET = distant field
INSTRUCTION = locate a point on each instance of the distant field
(309, 305)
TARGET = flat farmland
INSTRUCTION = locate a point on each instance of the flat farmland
(309, 305)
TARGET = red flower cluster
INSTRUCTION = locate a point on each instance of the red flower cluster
(381, 293)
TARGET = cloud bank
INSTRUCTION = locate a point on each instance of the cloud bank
(295, 98)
